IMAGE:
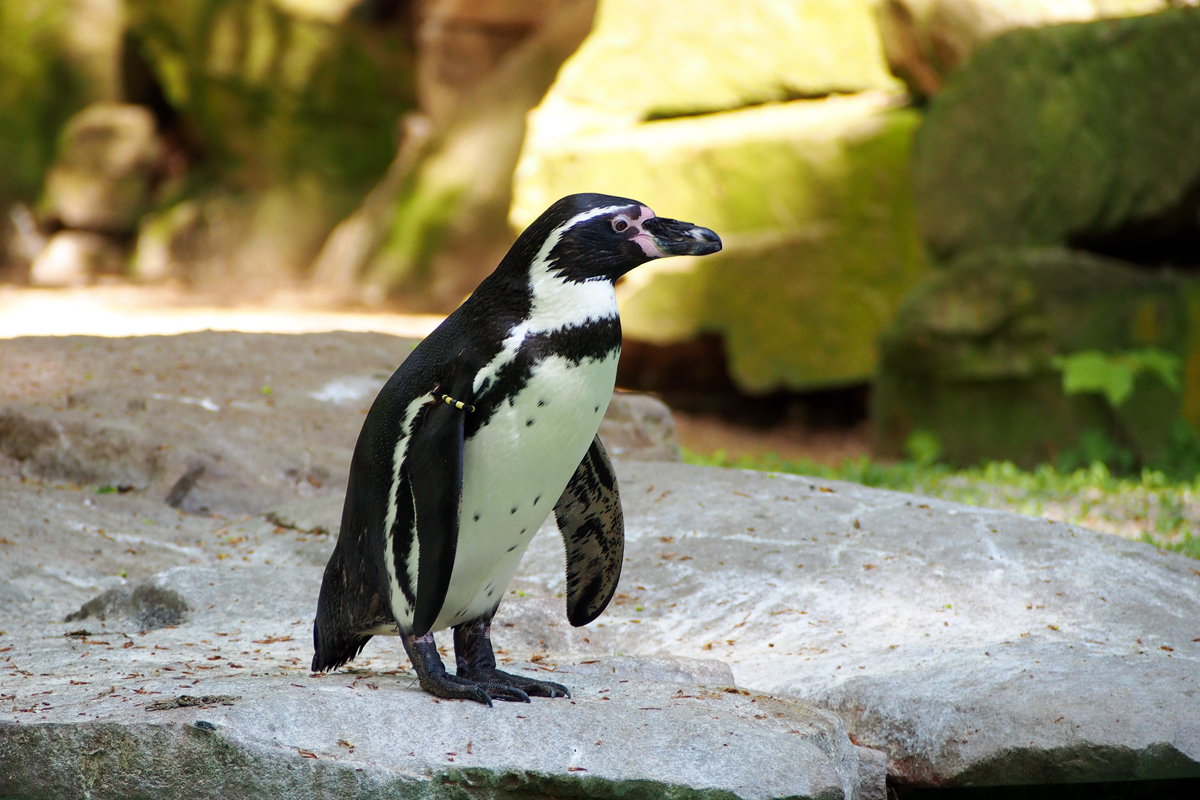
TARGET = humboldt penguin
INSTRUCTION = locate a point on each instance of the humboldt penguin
(487, 426)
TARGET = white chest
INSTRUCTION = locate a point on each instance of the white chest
(514, 470)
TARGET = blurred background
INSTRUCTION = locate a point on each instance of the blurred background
(955, 230)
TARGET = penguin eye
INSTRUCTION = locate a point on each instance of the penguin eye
(619, 225)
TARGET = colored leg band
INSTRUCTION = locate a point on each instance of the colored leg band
(459, 404)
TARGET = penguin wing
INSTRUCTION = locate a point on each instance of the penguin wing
(435, 471)
(593, 529)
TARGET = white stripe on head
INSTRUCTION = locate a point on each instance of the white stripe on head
(557, 301)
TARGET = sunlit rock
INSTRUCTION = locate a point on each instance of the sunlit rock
(102, 178)
(810, 196)
(75, 258)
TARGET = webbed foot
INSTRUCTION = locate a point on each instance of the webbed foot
(477, 662)
(527, 686)
(432, 675)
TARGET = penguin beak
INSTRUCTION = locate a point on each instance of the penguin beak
(675, 238)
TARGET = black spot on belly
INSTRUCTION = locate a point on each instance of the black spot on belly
(513, 510)
(509, 550)
(523, 531)
(528, 423)
(596, 409)
(477, 517)
(539, 497)
(541, 403)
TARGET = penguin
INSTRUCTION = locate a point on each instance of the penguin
(488, 426)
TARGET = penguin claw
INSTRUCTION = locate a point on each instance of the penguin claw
(505, 692)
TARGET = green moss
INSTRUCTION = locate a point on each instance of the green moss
(40, 87)
(273, 93)
(813, 204)
(1073, 129)
(972, 355)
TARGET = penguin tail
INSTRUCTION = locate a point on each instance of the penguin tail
(332, 651)
(345, 610)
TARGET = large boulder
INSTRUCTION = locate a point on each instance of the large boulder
(647, 61)
(971, 357)
(926, 40)
(975, 647)
(810, 197)
(1078, 133)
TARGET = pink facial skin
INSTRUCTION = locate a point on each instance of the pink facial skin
(644, 239)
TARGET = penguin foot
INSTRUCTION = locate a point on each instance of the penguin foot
(432, 675)
(528, 686)
(477, 662)
(450, 687)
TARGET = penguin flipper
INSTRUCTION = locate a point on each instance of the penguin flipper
(435, 471)
(593, 529)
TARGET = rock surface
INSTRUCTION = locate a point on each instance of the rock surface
(201, 420)
(971, 358)
(1030, 118)
(223, 704)
(974, 647)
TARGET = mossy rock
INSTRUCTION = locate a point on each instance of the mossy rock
(811, 199)
(971, 356)
(44, 79)
(275, 89)
(294, 108)
(1066, 134)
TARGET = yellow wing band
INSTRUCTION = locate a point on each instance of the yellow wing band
(459, 404)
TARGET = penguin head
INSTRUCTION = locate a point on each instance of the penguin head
(586, 237)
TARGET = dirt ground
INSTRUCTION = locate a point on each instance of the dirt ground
(125, 310)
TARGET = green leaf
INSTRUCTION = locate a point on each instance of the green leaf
(1113, 374)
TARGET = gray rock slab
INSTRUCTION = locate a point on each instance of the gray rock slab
(973, 646)
(220, 422)
(245, 718)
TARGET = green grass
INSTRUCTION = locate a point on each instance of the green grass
(1151, 507)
